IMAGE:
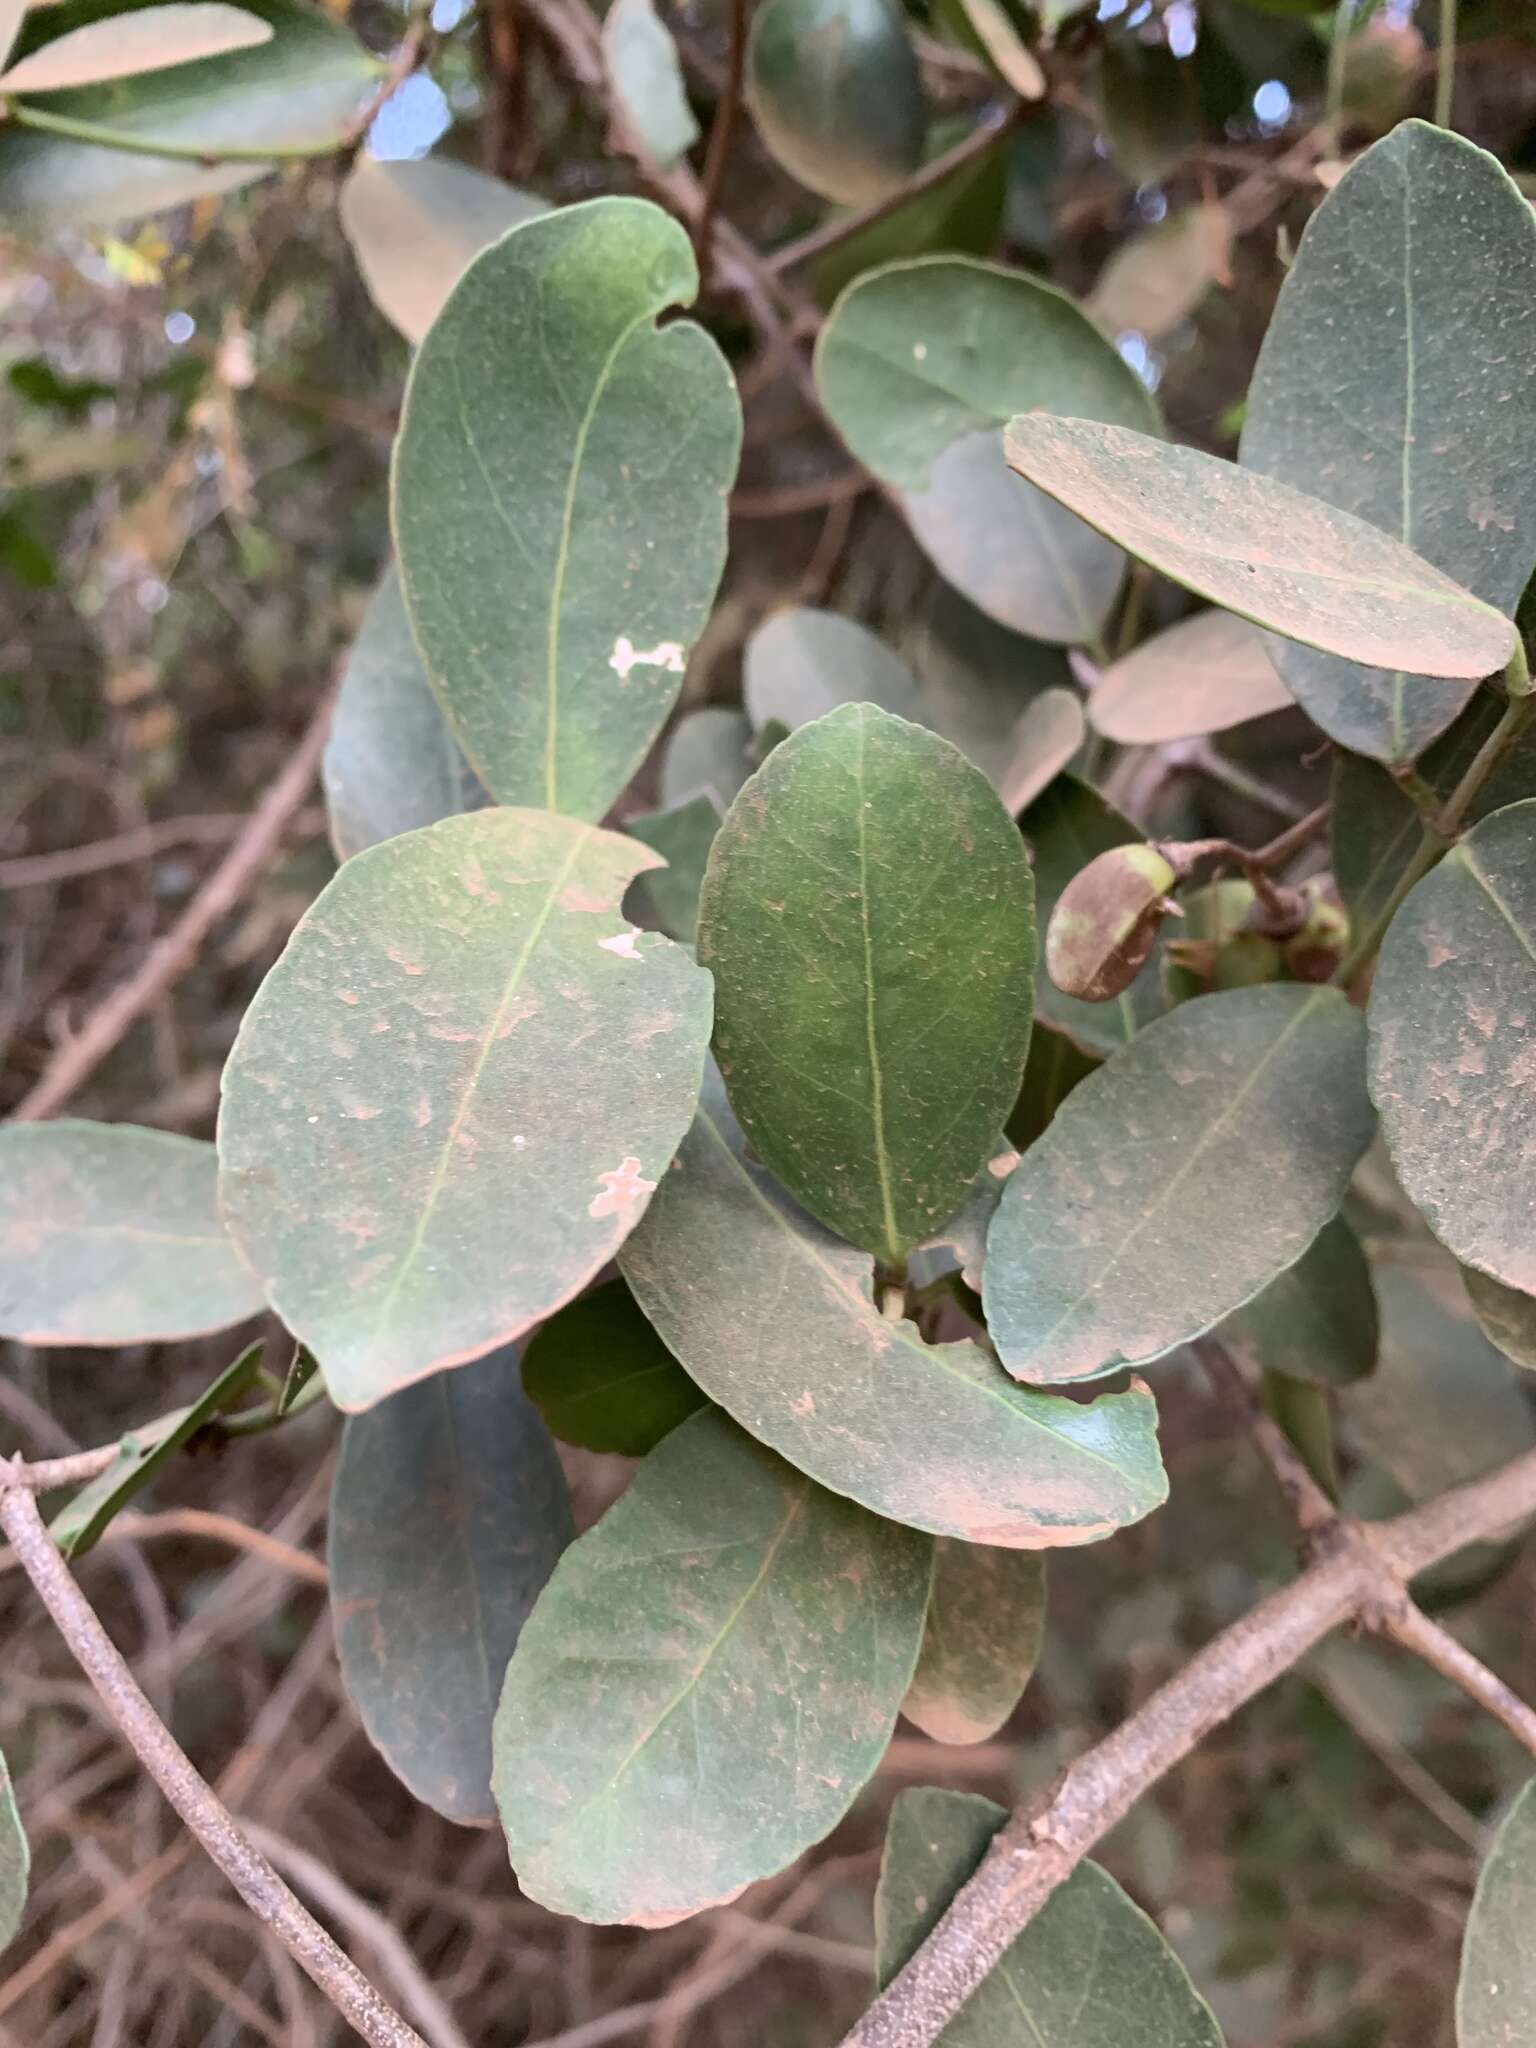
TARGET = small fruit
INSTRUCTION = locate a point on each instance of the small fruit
(1315, 952)
(1223, 944)
(1106, 921)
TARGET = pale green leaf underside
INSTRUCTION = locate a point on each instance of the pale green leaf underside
(1262, 550)
(559, 499)
(646, 76)
(110, 1234)
(801, 663)
(1100, 1254)
(148, 39)
(1090, 1971)
(1398, 381)
(705, 1684)
(986, 1616)
(1452, 1011)
(451, 1097)
(1505, 1316)
(448, 1515)
(1496, 1994)
(872, 1008)
(1202, 675)
(775, 1320)
(15, 1860)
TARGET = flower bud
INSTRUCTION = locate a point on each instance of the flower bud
(1106, 920)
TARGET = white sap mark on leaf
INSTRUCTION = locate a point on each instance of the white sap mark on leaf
(621, 1185)
(626, 655)
(623, 943)
(920, 351)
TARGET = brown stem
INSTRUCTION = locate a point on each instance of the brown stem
(43, 1474)
(253, 1877)
(719, 149)
(1406, 1624)
(1041, 1844)
(1309, 1504)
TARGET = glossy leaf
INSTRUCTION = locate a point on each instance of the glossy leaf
(1400, 385)
(1065, 828)
(1317, 1320)
(667, 898)
(801, 663)
(414, 226)
(837, 95)
(1202, 675)
(448, 1514)
(1505, 1316)
(1451, 1016)
(390, 763)
(453, 1094)
(706, 1683)
(1090, 1970)
(301, 89)
(559, 499)
(142, 1452)
(1262, 550)
(872, 1010)
(602, 1379)
(1157, 279)
(1496, 1991)
(145, 39)
(919, 365)
(708, 752)
(986, 1615)
(15, 1860)
(1100, 1253)
(110, 1234)
(776, 1321)
(645, 75)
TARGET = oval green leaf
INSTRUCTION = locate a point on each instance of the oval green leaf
(1505, 1316)
(110, 1234)
(986, 1616)
(776, 1321)
(979, 680)
(1496, 1991)
(709, 752)
(837, 95)
(448, 1514)
(1090, 1971)
(559, 499)
(872, 1009)
(1318, 1320)
(1401, 387)
(1202, 675)
(706, 1683)
(1452, 1013)
(1262, 550)
(390, 764)
(1137, 1221)
(602, 1379)
(454, 1092)
(918, 366)
(15, 1860)
(415, 226)
(666, 899)
(645, 75)
(801, 663)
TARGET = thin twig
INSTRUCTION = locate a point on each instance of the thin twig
(718, 152)
(1312, 1508)
(43, 1474)
(1399, 1619)
(199, 1806)
(144, 842)
(1445, 65)
(139, 1528)
(170, 956)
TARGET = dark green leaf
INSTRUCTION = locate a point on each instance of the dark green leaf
(414, 226)
(1137, 1221)
(448, 1515)
(1496, 1993)
(802, 663)
(1262, 550)
(709, 752)
(1200, 676)
(667, 898)
(919, 365)
(1149, 104)
(602, 1378)
(645, 75)
(1451, 1016)
(837, 95)
(15, 1860)
(1065, 828)
(706, 1683)
(872, 1010)
(142, 1452)
(986, 1615)
(453, 1094)
(1090, 1971)
(1505, 1316)
(1317, 1321)
(1054, 1068)
(300, 90)
(776, 1321)
(1398, 382)
(390, 763)
(559, 499)
(110, 1234)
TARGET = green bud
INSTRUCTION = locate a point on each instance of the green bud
(1106, 920)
